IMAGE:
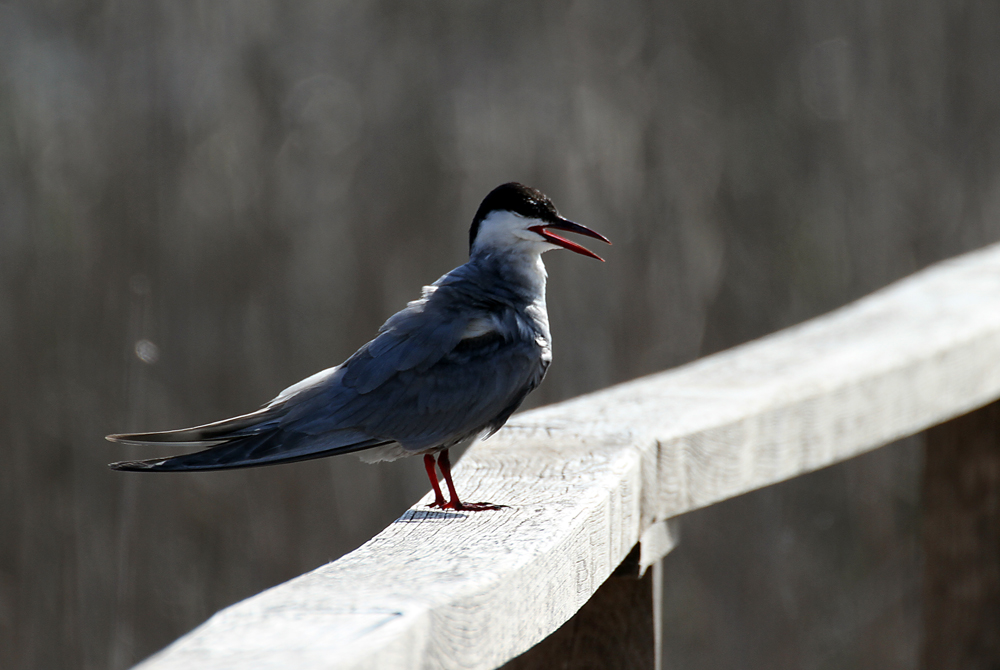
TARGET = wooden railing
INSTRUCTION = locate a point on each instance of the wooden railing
(588, 480)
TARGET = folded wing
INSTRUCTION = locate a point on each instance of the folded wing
(430, 379)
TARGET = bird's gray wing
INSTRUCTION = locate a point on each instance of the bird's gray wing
(431, 379)
(423, 382)
(474, 387)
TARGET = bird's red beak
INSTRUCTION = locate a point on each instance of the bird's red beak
(567, 225)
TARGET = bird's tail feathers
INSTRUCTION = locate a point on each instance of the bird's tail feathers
(256, 450)
(255, 423)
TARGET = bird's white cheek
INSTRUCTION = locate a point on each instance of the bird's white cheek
(528, 235)
(535, 241)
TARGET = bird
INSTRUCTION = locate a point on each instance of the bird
(450, 367)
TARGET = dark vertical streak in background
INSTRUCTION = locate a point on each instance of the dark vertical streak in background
(961, 527)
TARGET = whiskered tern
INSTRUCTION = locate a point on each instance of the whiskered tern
(449, 368)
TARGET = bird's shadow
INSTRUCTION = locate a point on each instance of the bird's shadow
(418, 515)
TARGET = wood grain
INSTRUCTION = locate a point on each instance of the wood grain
(585, 478)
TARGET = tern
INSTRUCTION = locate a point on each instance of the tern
(447, 369)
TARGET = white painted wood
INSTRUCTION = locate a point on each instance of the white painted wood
(585, 478)
(656, 542)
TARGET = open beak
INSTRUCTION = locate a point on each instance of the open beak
(567, 225)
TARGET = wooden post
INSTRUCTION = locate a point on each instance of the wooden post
(618, 628)
(962, 543)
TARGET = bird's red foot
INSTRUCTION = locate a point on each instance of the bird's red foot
(467, 507)
(473, 507)
(454, 503)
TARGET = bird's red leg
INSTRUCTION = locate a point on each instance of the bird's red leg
(445, 464)
(432, 475)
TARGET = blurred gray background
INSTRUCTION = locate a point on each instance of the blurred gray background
(203, 202)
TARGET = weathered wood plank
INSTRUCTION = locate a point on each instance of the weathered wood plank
(962, 543)
(585, 478)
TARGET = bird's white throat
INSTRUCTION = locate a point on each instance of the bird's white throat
(503, 231)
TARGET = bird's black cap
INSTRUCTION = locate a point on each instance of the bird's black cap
(518, 198)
